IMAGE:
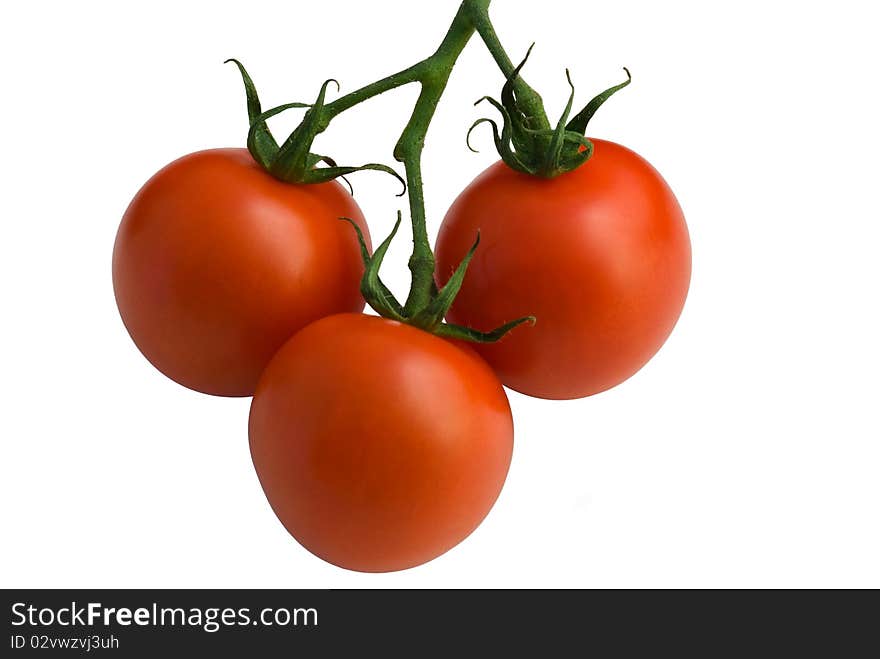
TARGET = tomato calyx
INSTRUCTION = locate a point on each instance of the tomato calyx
(428, 317)
(527, 145)
(293, 161)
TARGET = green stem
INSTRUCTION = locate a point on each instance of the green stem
(433, 75)
(343, 103)
(529, 99)
(436, 72)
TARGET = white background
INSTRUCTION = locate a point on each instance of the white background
(745, 454)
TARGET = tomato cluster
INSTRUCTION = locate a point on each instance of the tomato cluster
(383, 441)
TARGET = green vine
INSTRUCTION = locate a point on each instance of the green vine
(527, 142)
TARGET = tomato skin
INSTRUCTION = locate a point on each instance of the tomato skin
(600, 256)
(216, 264)
(379, 445)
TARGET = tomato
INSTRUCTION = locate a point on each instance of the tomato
(216, 264)
(379, 446)
(600, 256)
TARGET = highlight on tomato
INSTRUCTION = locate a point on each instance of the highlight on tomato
(225, 253)
(586, 236)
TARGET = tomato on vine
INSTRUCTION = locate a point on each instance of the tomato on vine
(225, 253)
(583, 234)
(379, 445)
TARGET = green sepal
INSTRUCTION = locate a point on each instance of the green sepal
(553, 153)
(261, 144)
(327, 160)
(579, 123)
(324, 174)
(527, 148)
(504, 140)
(450, 331)
(523, 124)
(293, 161)
(432, 315)
(375, 292)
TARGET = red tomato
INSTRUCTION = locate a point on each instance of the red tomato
(379, 446)
(600, 256)
(217, 264)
